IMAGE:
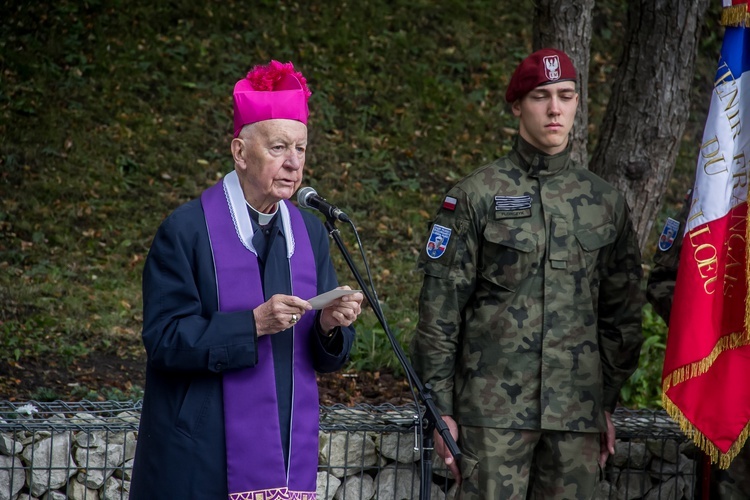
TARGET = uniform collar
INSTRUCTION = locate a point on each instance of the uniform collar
(537, 163)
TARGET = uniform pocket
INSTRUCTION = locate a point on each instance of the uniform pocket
(444, 248)
(194, 406)
(594, 239)
(507, 254)
(469, 469)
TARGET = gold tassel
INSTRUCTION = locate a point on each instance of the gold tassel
(736, 15)
(723, 459)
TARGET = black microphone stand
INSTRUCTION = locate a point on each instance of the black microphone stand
(432, 419)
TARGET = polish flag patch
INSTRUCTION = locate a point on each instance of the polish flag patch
(449, 203)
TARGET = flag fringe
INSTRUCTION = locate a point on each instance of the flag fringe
(714, 453)
(736, 15)
(697, 368)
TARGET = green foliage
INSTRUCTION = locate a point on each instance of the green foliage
(45, 394)
(114, 112)
(643, 388)
(373, 350)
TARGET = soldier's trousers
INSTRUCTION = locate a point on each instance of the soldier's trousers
(515, 465)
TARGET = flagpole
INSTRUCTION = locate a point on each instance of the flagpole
(705, 476)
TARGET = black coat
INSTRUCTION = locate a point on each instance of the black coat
(181, 449)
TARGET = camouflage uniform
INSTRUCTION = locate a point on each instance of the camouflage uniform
(732, 483)
(530, 311)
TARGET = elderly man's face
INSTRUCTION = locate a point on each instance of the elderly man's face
(269, 158)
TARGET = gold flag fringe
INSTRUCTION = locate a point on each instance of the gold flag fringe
(736, 15)
(701, 441)
(697, 368)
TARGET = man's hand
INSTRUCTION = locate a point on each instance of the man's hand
(442, 449)
(342, 311)
(607, 441)
(279, 313)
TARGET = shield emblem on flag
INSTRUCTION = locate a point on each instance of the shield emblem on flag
(438, 241)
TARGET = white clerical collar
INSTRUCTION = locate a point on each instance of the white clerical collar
(263, 218)
(241, 217)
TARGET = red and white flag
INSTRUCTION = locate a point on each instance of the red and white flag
(706, 376)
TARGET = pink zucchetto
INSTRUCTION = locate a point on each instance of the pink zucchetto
(270, 92)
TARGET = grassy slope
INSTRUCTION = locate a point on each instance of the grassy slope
(112, 113)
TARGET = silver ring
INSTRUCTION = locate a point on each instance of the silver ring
(294, 318)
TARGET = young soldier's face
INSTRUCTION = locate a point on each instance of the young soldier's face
(546, 116)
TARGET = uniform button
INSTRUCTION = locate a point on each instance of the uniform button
(219, 367)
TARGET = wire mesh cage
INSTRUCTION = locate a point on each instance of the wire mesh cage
(80, 450)
(84, 451)
(374, 452)
(653, 459)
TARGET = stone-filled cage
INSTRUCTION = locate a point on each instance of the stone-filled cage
(84, 451)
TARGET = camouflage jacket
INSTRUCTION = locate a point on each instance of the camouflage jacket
(530, 310)
(663, 276)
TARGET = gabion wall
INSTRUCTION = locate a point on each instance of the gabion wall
(84, 451)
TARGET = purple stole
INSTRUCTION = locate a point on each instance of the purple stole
(255, 460)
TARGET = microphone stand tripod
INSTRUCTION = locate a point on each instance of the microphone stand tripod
(432, 419)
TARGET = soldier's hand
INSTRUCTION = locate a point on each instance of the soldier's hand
(607, 441)
(442, 449)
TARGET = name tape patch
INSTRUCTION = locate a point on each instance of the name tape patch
(509, 207)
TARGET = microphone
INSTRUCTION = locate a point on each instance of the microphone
(307, 197)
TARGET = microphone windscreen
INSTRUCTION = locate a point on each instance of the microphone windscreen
(303, 195)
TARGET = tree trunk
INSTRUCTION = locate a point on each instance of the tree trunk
(566, 25)
(650, 103)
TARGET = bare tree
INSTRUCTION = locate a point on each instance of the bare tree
(566, 25)
(649, 106)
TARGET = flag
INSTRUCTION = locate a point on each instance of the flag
(706, 375)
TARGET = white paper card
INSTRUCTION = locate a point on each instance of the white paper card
(324, 299)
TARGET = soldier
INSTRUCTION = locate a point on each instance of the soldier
(726, 484)
(661, 280)
(529, 314)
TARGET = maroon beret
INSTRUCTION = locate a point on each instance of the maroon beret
(540, 68)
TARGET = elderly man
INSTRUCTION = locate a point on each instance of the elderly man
(529, 315)
(231, 404)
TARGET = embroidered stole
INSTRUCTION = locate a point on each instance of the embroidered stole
(255, 460)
